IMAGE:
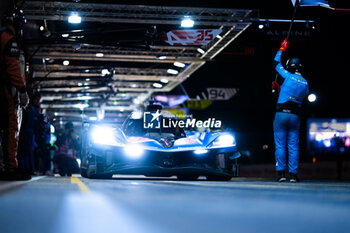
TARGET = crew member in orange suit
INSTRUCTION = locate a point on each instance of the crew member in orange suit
(11, 82)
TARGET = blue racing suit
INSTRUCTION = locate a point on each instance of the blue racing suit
(287, 120)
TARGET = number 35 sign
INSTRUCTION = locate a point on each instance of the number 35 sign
(191, 37)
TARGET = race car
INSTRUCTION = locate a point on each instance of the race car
(157, 152)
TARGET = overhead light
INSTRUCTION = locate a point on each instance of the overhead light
(172, 71)
(161, 57)
(199, 50)
(65, 62)
(164, 80)
(261, 26)
(80, 106)
(311, 98)
(99, 54)
(179, 64)
(41, 28)
(187, 22)
(74, 18)
(65, 35)
(157, 85)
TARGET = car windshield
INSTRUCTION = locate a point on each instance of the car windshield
(135, 128)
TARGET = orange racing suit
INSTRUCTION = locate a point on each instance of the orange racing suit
(10, 77)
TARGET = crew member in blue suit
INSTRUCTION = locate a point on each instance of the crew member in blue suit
(287, 119)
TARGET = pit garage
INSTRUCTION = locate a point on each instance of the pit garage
(158, 116)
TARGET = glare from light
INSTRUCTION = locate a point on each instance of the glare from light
(261, 26)
(103, 135)
(164, 80)
(42, 28)
(224, 140)
(87, 71)
(80, 84)
(133, 151)
(219, 37)
(99, 54)
(136, 115)
(74, 18)
(179, 64)
(187, 22)
(157, 85)
(79, 162)
(161, 57)
(65, 35)
(199, 50)
(311, 98)
(200, 152)
(52, 129)
(105, 72)
(172, 71)
(93, 118)
(80, 106)
(87, 80)
(65, 62)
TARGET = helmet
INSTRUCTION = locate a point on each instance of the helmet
(14, 17)
(294, 64)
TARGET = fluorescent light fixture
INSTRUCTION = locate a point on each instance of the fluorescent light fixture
(200, 152)
(99, 54)
(157, 85)
(80, 106)
(65, 62)
(65, 35)
(179, 64)
(161, 57)
(199, 50)
(133, 151)
(187, 22)
(74, 18)
(172, 71)
(311, 98)
(164, 80)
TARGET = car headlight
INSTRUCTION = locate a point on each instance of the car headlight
(133, 150)
(104, 135)
(224, 141)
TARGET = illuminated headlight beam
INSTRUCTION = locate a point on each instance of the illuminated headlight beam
(133, 151)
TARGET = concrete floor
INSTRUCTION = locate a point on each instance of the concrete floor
(135, 204)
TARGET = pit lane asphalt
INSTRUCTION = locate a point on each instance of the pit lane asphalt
(133, 204)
